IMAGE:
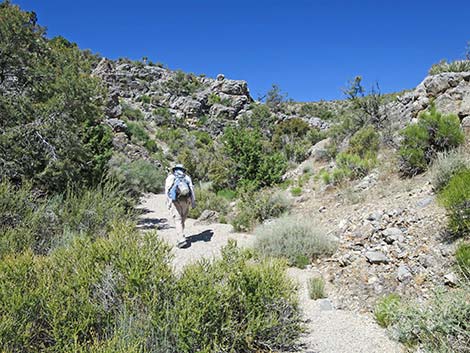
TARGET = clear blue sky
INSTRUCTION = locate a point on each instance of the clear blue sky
(309, 48)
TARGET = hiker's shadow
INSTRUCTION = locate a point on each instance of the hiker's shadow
(203, 236)
(153, 223)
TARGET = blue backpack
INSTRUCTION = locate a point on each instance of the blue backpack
(180, 188)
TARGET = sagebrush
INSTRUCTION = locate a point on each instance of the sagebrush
(296, 239)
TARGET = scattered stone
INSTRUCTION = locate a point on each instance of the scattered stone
(426, 260)
(375, 216)
(208, 217)
(322, 209)
(403, 273)
(319, 151)
(376, 257)
(451, 279)
(325, 304)
(117, 125)
(425, 202)
(302, 198)
(392, 235)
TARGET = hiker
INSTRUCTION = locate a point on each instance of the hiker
(179, 190)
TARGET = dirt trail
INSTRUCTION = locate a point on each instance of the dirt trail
(328, 330)
(205, 240)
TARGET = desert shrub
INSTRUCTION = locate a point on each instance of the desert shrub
(259, 117)
(76, 294)
(118, 294)
(24, 220)
(456, 198)
(91, 212)
(294, 137)
(386, 309)
(137, 132)
(206, 199)
(215, 99)
(316, 288)
(52, 109)
(136, 176)
(351, 166)
(367, 108)
(294, 239)
(144, 99)
(227, 194)
(163, 117)
(318, 110)
(453, 66)
(325, 176)
(182, 84)
(462, 256)
(275, 98)
(237, 301)
(440, 325)
(28, 221)
(446, 165)
(250, 158)
(364, 142)
(152, 146)
(296, 191)
(432, 133)
(255, 207)
(131, 113)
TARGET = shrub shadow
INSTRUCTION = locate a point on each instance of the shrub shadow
(153, 223)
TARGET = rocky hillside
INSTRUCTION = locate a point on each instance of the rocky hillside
(173, 97)
(449, 91)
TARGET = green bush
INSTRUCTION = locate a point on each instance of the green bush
(352, 166)
(24, 220)
(206, 199)
(145, 99)
(227, 194)
(259, 117)
(51, 108)
(118, 294)
(136, 176)
(386, 309)
(77, 293)
(182, 84)
(462, 256)
(456, 198)
(446, 165)
(238, 304)
(256, 207)
(325, 176)
(364, 142)
(296, 191)
(316, 288)
(131, 113)
(433, 133)
(40, 224)
(318, 109)
(137, 132)
(442, 324)
(294, 137)
(293, 239)
(253, 164)
(454, 66)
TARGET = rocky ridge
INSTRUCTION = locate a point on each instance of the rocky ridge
(449, 91)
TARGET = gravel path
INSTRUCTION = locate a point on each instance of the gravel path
(205, 240)
(338, 331)
(329, 330)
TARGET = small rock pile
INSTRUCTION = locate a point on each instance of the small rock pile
(387, 251)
